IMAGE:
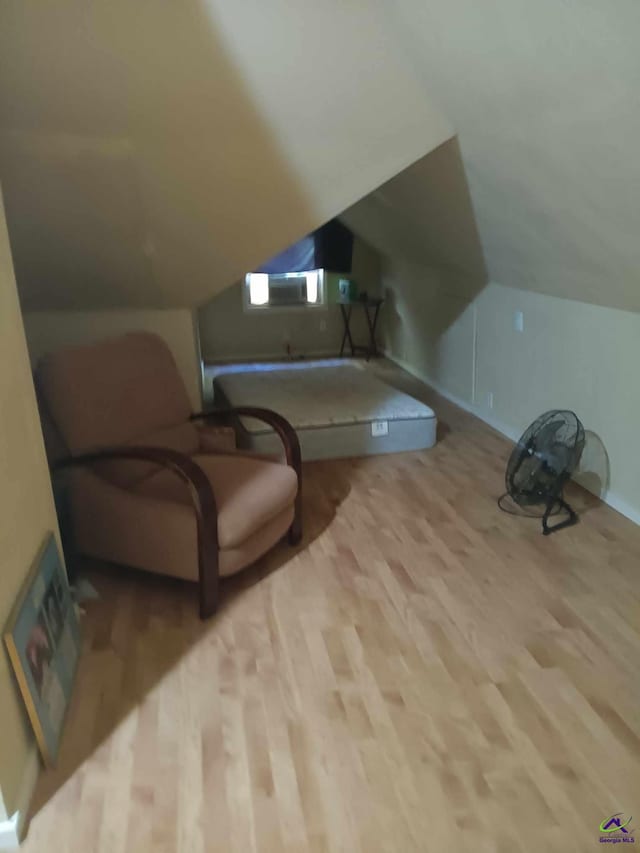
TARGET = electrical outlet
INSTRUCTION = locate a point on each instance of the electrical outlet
(379, 428)
(518, 321)
(490, 399)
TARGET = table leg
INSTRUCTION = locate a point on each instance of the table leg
(372, 323)
(346, 319)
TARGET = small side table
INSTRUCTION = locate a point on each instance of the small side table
(371, 309)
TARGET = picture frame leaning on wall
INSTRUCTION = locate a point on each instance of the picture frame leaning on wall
(43, 640)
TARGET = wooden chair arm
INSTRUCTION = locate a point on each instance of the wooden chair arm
(287, 435)
(203, 498)
(281, 425)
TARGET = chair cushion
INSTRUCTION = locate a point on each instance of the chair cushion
(249, 492)
(113, 392)
(216, 439)
(184, 438)
(119, 526)
(232, 560)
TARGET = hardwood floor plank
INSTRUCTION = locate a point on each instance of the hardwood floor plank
(424, 672)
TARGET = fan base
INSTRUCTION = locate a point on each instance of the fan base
(572, 519)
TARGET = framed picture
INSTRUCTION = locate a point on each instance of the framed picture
(43, 640)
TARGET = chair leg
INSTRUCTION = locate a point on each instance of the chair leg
(295, 531)
(208, 571)
(208, 601)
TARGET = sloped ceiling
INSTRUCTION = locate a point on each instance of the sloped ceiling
(545, 98)
(150, 153)
(425, 214)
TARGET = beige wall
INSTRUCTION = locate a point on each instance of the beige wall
(429, 328)
(26, 511)
(544, 99)
(229, 332)
(169, 147)
(49, 330)
(570, 355)
(425, 214)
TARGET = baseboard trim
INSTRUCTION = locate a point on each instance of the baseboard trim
(500, 427)
(610, 498)
(13, 830)
(621, 506)
(248, 358)
(9, 838)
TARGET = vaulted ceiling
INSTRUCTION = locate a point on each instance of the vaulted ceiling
(150, 153)
(545, 100)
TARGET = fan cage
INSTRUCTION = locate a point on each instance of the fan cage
(546, 455)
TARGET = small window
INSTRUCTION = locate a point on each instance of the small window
(286, 291)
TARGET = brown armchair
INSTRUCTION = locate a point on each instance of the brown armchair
(148, 487)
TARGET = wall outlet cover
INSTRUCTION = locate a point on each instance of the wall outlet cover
(518, 321)
(379, 428)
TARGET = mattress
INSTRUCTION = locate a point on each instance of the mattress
(338, 406)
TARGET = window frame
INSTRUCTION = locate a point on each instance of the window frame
(321, 305)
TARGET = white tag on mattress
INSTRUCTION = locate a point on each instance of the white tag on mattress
(379, 428)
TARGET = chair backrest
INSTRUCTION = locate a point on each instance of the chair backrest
(113, 392)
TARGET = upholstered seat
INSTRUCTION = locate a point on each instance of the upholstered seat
(248, 492)
(149, 488)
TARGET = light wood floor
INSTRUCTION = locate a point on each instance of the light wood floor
(425, 673)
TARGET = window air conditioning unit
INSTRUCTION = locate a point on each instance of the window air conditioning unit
(288, 291)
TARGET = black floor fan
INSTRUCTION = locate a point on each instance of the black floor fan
(544, 459)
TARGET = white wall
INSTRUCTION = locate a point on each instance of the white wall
(26, 515)
(570, 355)
(544, 98)
(229, 332)
(170, 147)
(425, 214)
(429, 328)
(49, 330)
